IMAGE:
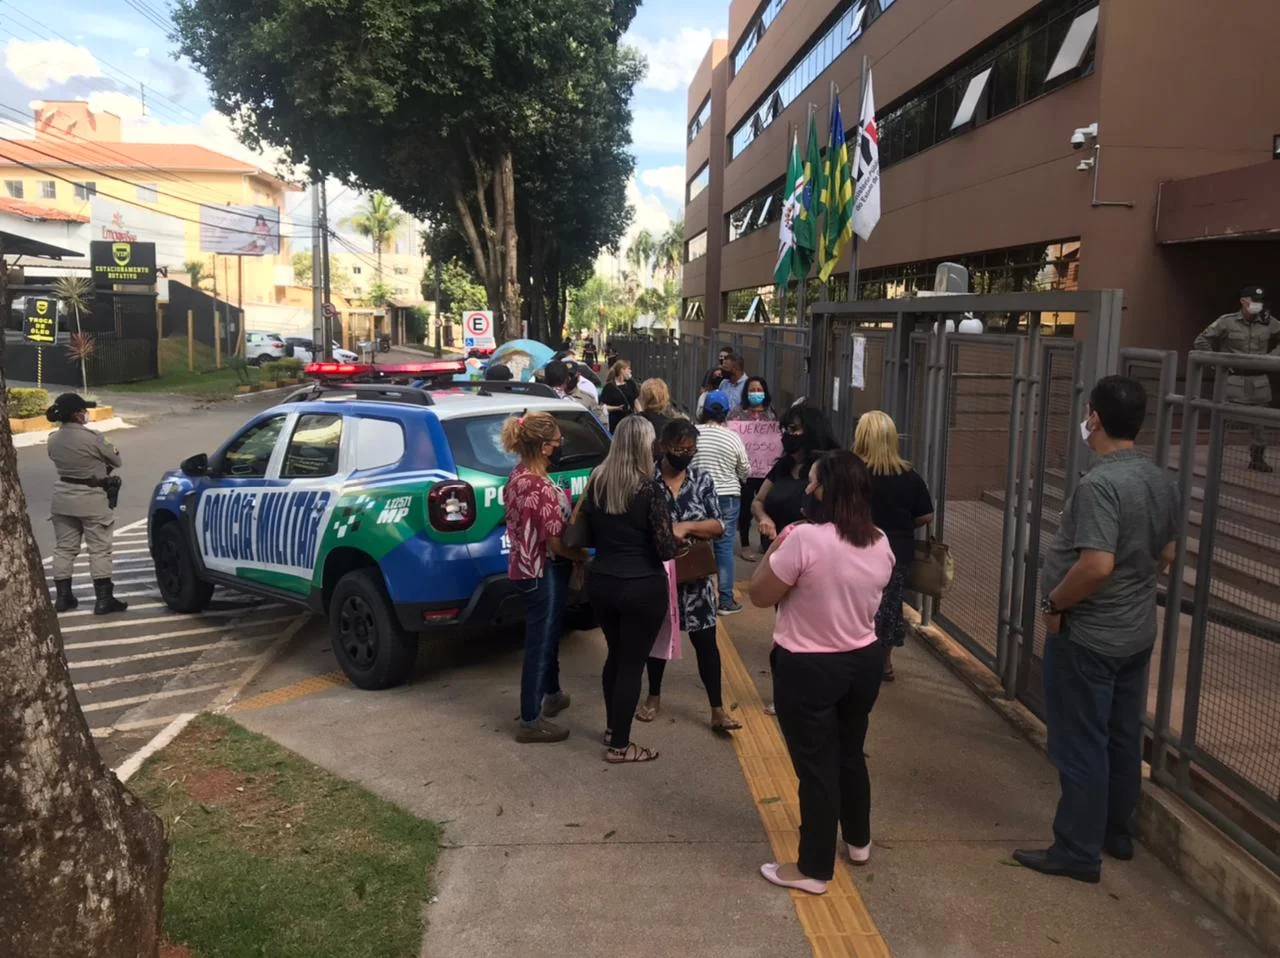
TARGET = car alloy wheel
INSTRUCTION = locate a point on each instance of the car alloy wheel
(358, 632)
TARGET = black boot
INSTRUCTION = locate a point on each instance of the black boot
(66, 599)
(1257, 459)
(107, 603)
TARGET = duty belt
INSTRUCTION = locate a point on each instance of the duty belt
(91, 483)
(110, 485)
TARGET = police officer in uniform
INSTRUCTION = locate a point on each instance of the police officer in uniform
(1252, 331)
(82, 506)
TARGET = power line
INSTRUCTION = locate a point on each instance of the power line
(148, 14)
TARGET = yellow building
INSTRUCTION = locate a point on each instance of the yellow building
(79, 165)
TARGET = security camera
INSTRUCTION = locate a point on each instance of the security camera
(1082, 135)
(1084, 166)
(1077, 140)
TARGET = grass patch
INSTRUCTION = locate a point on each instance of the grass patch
(273, 856)
(205, 382)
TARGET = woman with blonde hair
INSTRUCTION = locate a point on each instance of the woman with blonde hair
(619, 394)
(655, 404)
(900, 503)
(539, 567)
(625, 509)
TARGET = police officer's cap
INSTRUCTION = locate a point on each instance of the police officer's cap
(71, 403)
(1255, 293)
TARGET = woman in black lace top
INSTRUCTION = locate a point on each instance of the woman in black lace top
(626, 511)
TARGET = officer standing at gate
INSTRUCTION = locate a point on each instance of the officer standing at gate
(1252, 331)
(83, 499)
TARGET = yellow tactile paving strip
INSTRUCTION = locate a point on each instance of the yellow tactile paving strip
(288, 693)
(838, 923)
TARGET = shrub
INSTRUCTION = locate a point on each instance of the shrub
(270, 371)
(26, 403)
(238, 365)
(290, 368)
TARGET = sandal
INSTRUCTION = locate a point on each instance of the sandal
(633, 754)
(888, 674)
(748, 556)
(726, 725)
(608, 734)
(646, 713)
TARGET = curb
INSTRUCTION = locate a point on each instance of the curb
(1224, 875)
(23, 439)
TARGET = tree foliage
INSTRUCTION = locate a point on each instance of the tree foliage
(509, 122)
(339, 278)
(460, 292)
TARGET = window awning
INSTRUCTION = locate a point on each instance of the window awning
(1239, 204)
(15, 245)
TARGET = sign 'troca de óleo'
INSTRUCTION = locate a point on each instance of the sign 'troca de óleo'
(113, 263)
(40, 320)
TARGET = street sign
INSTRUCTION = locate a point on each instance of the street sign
(477, 330)
(329, 311)
(113, 263)
(40, 320)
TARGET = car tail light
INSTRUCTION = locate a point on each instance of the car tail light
(451, 506)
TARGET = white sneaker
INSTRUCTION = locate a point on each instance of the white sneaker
(859, 856)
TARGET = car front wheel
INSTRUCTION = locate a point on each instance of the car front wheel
(372, 648)
(176, 577)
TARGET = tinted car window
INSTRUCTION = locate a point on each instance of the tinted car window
(313, 449)
(250, 453)
(476, 442)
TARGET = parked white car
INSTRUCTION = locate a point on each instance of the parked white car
(304, 349)
(264, 347)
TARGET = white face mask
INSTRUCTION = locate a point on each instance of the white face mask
(1255, 309)
(1084, 431)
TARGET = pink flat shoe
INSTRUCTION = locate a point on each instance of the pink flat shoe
(858, 856)
(810, 885)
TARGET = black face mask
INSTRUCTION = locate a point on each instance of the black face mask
(812, 508)
(791, 443)
(556, 454)
(679, 461)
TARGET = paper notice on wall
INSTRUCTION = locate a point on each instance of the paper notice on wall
(835, 394)
(858, 378)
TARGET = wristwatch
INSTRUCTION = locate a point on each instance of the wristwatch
(1048, 608)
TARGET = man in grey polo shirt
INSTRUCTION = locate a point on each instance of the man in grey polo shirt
(1098, 585)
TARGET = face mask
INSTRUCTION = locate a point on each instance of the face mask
(812, 507)
(755, 399)
(1084, 431)
(791, 443)
(626, 374)
(1255, 309)
(570, 387)
(679, 461)
(556, 454)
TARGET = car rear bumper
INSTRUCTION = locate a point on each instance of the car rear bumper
(494, 603)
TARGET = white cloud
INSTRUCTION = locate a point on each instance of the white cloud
(143, 52)
(40, 63)
(667, 180)
(649, 214)
(214, 131)
(673, 60)
(659, 130)
(113, 101)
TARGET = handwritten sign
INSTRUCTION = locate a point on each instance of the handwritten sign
(763, 440)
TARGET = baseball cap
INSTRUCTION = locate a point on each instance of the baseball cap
(717, 402)
(73, 402)
(1255, 293)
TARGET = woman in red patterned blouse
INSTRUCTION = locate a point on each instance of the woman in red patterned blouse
(539, 567)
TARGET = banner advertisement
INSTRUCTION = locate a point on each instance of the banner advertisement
(113, 263)
(763, 439)
(240, 230)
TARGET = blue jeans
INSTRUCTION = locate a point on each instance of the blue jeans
(723, 546)
(1093, 707)
(544, 601)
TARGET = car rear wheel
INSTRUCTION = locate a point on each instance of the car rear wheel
(372, 648)
(180, 586)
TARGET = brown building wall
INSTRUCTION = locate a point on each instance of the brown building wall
(706, 211)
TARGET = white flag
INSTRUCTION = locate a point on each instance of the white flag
(866, 191)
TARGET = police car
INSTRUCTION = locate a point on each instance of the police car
(380, 507)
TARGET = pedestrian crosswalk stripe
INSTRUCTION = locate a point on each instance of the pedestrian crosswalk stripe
(163, 636)
(101, 733)
(149, 697)
(162, 653)
(161, 673)
(125, 623)
(245, 609)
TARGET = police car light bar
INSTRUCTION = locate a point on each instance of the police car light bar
(436, 368)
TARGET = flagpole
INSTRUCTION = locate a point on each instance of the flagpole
(831, 110)
(853, 248)
(802, 282)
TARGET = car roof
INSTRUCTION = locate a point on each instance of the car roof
(446, 404)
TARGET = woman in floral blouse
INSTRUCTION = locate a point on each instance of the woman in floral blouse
(539, 567)
(695, 514)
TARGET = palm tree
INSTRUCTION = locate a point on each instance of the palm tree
(196, 270)
(76, 292)
(378, 219)
(670, 250)
(640, 254)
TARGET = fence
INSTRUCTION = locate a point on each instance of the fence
(114, 360)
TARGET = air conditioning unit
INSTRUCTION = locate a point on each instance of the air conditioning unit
(951, 278)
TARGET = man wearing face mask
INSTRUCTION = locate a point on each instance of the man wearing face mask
(1098, 587)
(1252, 331)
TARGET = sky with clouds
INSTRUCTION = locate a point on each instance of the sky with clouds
(115, 54)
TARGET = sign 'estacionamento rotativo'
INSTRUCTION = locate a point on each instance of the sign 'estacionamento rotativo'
(117, 262)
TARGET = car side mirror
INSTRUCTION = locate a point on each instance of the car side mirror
(197, 465)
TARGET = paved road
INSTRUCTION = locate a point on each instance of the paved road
(134, 671)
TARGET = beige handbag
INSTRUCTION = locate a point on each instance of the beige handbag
(933, 571)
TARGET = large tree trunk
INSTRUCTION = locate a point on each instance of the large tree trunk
(82, 862)
(505, 187)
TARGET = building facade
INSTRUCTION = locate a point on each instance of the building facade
(977, 102)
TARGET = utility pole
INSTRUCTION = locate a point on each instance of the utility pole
(317, 303)
(324, 251)
(439, 316)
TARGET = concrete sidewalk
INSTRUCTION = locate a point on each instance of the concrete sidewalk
(550, 851)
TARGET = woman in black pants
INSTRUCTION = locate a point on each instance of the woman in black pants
(695, 513)
(826, 576)
(626, 511)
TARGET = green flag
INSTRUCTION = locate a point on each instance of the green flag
(807, 229)
(837, 199)
(790, 262)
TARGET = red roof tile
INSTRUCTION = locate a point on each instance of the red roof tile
(34, 211)
(120, 156)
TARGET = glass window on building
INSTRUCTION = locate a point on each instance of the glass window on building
(1051, 46)
(699, 121)
(755, 304)
(356, 270)
(761, 210)
(48, 189)
(147, 193)
(86, 191)
(694, 310)
(696, 248)
(699, 181)
(830, 40)
(13, 188)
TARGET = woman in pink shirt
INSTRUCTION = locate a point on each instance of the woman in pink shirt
(826, 577)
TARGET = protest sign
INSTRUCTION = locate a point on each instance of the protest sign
(763, 439)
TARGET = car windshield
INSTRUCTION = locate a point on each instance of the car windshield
(476, 442)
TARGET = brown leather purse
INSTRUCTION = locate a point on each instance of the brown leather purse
(696, 561)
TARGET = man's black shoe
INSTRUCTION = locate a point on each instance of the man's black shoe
(1119, 847)
(1048, 864)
